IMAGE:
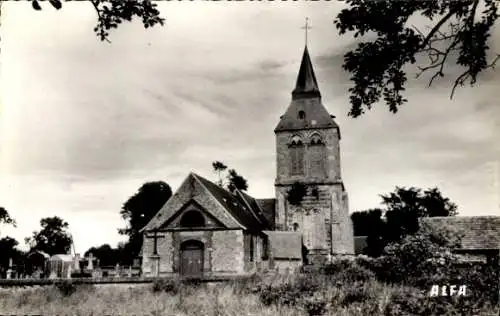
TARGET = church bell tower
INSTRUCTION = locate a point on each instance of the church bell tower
(310, 194)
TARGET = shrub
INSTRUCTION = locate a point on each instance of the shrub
(166, 285)
(314, 305)
(348, 270)
(355, 294)
(337, 266)
(291, 292)
(252, 284)
(414, 302)
(427, 252)
(283, 294)
(66, 288)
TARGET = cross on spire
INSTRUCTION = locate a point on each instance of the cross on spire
(306, 27)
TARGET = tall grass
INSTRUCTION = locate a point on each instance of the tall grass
(266, 295)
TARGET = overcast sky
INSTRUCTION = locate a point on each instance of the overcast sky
(84, 123)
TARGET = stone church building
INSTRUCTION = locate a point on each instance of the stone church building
(203, 229)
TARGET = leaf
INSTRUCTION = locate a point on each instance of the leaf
(56, 4)
(36, 5)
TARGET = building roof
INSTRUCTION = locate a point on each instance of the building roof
(477, 232)
(236, 206)
(285, 244)
(306, 98)
(40, 253)
(255, 208)
(62, 257)
(306, 85)
(360, 244)
(268, 206)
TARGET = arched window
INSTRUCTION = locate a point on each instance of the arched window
(295, 227)
(192, 219)
(316, 139)
(317, 156)
(302, 115)
(296, 156)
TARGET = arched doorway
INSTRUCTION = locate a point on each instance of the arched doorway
(192, 258)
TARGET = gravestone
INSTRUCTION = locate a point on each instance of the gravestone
(9, 270)
(90, 264)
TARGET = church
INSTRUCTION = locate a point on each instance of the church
(205, 230)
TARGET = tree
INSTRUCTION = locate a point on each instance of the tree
(53, 238)
(106, 255)
(5, 217)
(458, 35)
(111, 13)
(139, 209)
(366, 222)
(8, 249)
(404, 206)
(233, 179)
(236, 181)
(399, 216)
(219, 167)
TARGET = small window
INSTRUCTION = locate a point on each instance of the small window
(251, 248)
(302, 115)
(295, 227)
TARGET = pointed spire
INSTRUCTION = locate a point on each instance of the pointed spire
(306, 86)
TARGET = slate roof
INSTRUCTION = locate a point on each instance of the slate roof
(268, 206)
(61, 257)
(256, 209)
(38, 252)
(306, 85)
(307, 98)
(359, 244)
(478, 232)
(285, 244)
(234, 205)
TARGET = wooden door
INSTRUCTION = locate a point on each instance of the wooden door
(192, 258)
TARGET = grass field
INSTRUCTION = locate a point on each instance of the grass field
(282, 296)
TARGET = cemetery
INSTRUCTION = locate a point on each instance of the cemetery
(40, 268)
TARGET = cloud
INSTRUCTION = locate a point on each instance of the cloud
(84, 124)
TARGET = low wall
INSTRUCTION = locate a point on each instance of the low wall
(132, 280)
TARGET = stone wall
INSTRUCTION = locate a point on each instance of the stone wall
(166, 252)
(258, 264)
(330, 138)
(182, 236)
(165, 249)
(227, 251)
(224, 252)
(287, 266)
(323, 220)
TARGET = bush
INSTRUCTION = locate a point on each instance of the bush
(355, 294)
(292, 292)
(337, 266)
(252, 284)
(315, 305)
(414, 302)
(347, 270)
(166, 285)
(66, 288)
(283, 294)
(481, 281)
